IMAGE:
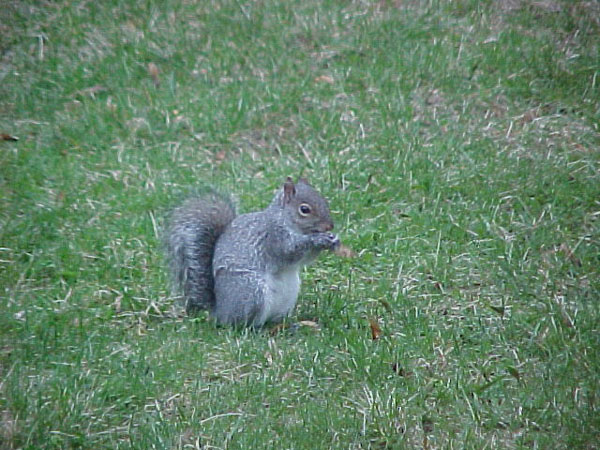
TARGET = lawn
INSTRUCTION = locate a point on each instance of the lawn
(458, 143)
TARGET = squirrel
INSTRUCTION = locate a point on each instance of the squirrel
(245, 269)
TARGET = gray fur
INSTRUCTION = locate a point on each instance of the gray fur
(245, 269)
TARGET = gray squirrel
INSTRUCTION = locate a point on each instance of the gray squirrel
(246, 269)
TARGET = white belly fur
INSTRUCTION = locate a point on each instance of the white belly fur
(281, 295)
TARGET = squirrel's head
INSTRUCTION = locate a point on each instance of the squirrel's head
(304, 206)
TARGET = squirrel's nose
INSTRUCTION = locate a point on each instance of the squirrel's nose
(327, 226)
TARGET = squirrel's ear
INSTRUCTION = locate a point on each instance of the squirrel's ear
(289, 190)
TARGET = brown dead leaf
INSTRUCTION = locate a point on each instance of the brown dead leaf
(375, 328)
(324, 79)
(154, 74)
(344, 251)
(309, 323)
(220, 156)
(8, 137)
(278, 329)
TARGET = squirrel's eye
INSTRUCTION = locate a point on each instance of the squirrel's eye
(304, 209)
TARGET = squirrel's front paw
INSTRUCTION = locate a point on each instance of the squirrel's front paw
(327, 241)
(335, 241)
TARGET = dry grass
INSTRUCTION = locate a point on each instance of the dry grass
(458, 145)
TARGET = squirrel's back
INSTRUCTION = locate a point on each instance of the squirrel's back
(193, 231)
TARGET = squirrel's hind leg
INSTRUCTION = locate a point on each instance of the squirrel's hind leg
(231, 307)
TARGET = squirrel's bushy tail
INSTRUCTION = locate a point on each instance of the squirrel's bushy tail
(191, 237)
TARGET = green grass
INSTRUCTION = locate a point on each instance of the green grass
(458, 143)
